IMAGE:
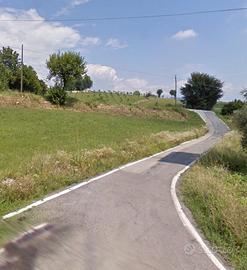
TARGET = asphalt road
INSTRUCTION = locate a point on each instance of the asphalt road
(125, 221)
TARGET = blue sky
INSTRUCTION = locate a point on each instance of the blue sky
(135, 54)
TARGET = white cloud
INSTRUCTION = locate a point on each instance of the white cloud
(79, 2)
(186, 34)
(231, 91)
(70, 6)
(40, 38)
(90, 41)
(107, 78)
(116, 43)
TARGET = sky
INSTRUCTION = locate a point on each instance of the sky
(132, 55)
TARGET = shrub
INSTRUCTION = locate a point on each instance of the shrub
(241, 122)
(56, 95)
(136, 93)
(230, 107)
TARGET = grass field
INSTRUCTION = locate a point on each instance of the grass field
(25, 132)
(215, 190)
(45, 148)
(110, 103)
(94, 99)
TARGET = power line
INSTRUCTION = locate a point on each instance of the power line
(154, 16)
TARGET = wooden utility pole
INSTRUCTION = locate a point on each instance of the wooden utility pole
(21, 68)
(176, 89)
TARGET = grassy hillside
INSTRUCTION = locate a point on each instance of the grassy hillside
(45, 148)
(215, 190)
(25, 132)
(110, 103)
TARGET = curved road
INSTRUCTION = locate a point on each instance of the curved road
(125, 221)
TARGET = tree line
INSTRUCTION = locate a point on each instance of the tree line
(67, 70)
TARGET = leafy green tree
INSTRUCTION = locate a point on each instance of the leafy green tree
(31, 82)
(4, 77)
(10, 59)
(66, 67)
(79, 84)
(159, 92)
(149, 94)
(87, 83)
(44, 87)
(136, 93)
(202, 91)
(9, 64)
(232, 106)
(173, 93)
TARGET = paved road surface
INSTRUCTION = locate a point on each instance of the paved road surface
(125, 221)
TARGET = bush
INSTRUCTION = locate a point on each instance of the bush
(56, 95)
(230, 107)
(241, 122)
(136, 93)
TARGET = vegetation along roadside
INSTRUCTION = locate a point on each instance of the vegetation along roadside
(215, 190)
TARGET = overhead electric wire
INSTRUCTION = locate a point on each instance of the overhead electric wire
(140, 17)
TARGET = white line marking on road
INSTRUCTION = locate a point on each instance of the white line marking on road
(68, 190)
(178, 206)
(186, 222)
(72, 188)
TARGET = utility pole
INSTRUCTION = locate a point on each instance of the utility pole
(176, 90)
(21, 68)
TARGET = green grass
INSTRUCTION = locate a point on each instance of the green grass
(107, 98)
(45, 150)
(215, 190)
(26, 132)
(228, 119)
(116, 99)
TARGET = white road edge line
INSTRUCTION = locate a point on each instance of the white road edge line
(68, 190)
(178, 206)
(186, 222)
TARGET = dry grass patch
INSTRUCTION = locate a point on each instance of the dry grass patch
(46, 173)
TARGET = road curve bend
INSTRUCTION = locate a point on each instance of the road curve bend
(125, 221)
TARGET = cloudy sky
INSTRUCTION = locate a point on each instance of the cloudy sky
(133, 54)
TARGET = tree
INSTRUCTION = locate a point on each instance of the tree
(202, 91)
(66, 67)
(173, 93)
(136, 93)
(4, 77)
(31, 82)
(79, 84)
(9, 64)
(149, 94)
(159, 92)
(10, 59)
(87, 82)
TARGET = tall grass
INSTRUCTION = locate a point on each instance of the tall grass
(215, 190)
(46, 173)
